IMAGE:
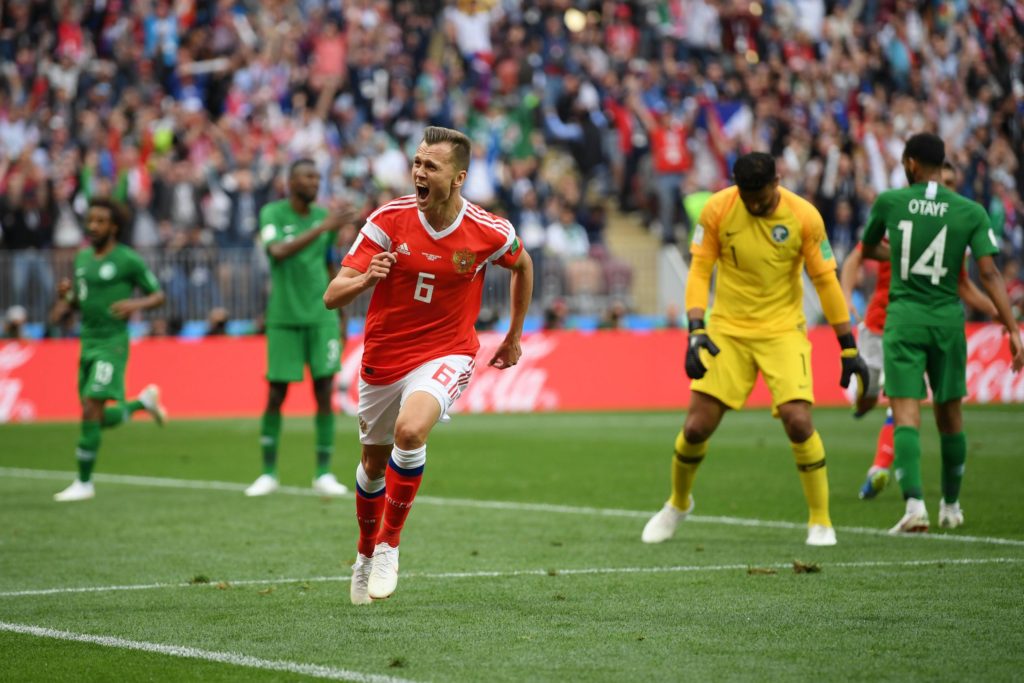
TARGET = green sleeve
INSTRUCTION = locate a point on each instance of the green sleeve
(983, 238)
(875, 229)
(270, 232)
(144, 277)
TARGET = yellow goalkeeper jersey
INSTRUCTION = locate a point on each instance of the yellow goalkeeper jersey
(759, 292)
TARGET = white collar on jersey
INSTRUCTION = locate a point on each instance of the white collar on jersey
(438, 234)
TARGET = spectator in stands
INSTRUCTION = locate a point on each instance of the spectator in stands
(14, 323)
(830, 89)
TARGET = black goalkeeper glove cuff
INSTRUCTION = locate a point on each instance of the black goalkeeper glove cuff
(852, 364)
(695, 368)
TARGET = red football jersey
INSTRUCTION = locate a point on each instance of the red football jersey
(874, 317)
(428, 304)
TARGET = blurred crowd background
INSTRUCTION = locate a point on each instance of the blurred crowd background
(589, 119)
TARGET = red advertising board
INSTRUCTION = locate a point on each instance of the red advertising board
(223, 376)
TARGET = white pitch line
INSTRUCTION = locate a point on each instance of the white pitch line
(232, 658)
(513, 573)
(197, 484)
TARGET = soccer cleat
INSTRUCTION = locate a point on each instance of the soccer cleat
(264, 485)
(359, 592)
(150, 400)
(384, 574)
(914, 521)
(328, 485)
(819, 534)
(79, 490)
(662, 526)
(950, 515)
(874, 484)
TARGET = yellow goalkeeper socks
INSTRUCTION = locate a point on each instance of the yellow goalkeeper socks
(687, 459)
(810, 462)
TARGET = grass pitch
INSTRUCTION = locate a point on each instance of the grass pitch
(521, 560)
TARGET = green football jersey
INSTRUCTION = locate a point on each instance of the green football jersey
(297, 283)
(102, 281)
(930, 228)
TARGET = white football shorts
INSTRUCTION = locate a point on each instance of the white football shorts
(444, 378)
(869, 345)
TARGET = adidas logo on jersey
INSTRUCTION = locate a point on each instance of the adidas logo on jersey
(403, 248)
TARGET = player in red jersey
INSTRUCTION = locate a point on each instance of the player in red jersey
(869, 341)
(424, 257)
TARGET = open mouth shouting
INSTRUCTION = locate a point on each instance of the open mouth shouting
(422, 194)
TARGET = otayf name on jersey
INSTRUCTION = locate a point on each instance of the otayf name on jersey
(927, 207)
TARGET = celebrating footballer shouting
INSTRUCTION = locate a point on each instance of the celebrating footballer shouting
(761, 235)
(424, 256)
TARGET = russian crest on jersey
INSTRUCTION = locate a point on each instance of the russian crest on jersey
(463, 261)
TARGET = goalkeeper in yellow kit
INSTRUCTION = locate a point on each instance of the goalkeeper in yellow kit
(761, 235)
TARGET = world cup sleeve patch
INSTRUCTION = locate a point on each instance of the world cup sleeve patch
(698, 235)
(826, 249)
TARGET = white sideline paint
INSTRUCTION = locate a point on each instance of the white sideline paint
(232, 658)
(512, 573)
(197, 484)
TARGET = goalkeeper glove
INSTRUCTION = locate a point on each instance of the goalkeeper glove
(853, 364)
(699, 339)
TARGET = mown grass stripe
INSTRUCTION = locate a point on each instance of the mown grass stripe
(548, 508)
(231, 658)
(512, 573)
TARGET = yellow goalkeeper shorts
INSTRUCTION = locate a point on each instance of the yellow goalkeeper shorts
(784, 361)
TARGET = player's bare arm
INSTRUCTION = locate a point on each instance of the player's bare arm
(124, 308)
(977, 299)
(350, 283)
(848, 279)
(992, 281)
(334, 221)
(878, 252)
(510, 349)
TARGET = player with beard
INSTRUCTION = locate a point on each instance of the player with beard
(930, 228)
(761, 236)
(298, 235)
(106, 275)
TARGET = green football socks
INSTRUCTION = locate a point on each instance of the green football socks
(907, 446)
(324, 423)
(88, 446)
(114, 415)
(954, 454)
(270, 434)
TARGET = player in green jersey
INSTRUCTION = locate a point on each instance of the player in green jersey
(930, 229)
(298, 236)
(106, 276)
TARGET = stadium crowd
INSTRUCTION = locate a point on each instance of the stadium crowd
(187, 111)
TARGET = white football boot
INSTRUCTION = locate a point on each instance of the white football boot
(914, 521)
(384, 575)
(150, 400)
(662, 526)
(359, 591)
(950, 514)
(819, 534)
(328, 485)
(79, 490)
(264, 485)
